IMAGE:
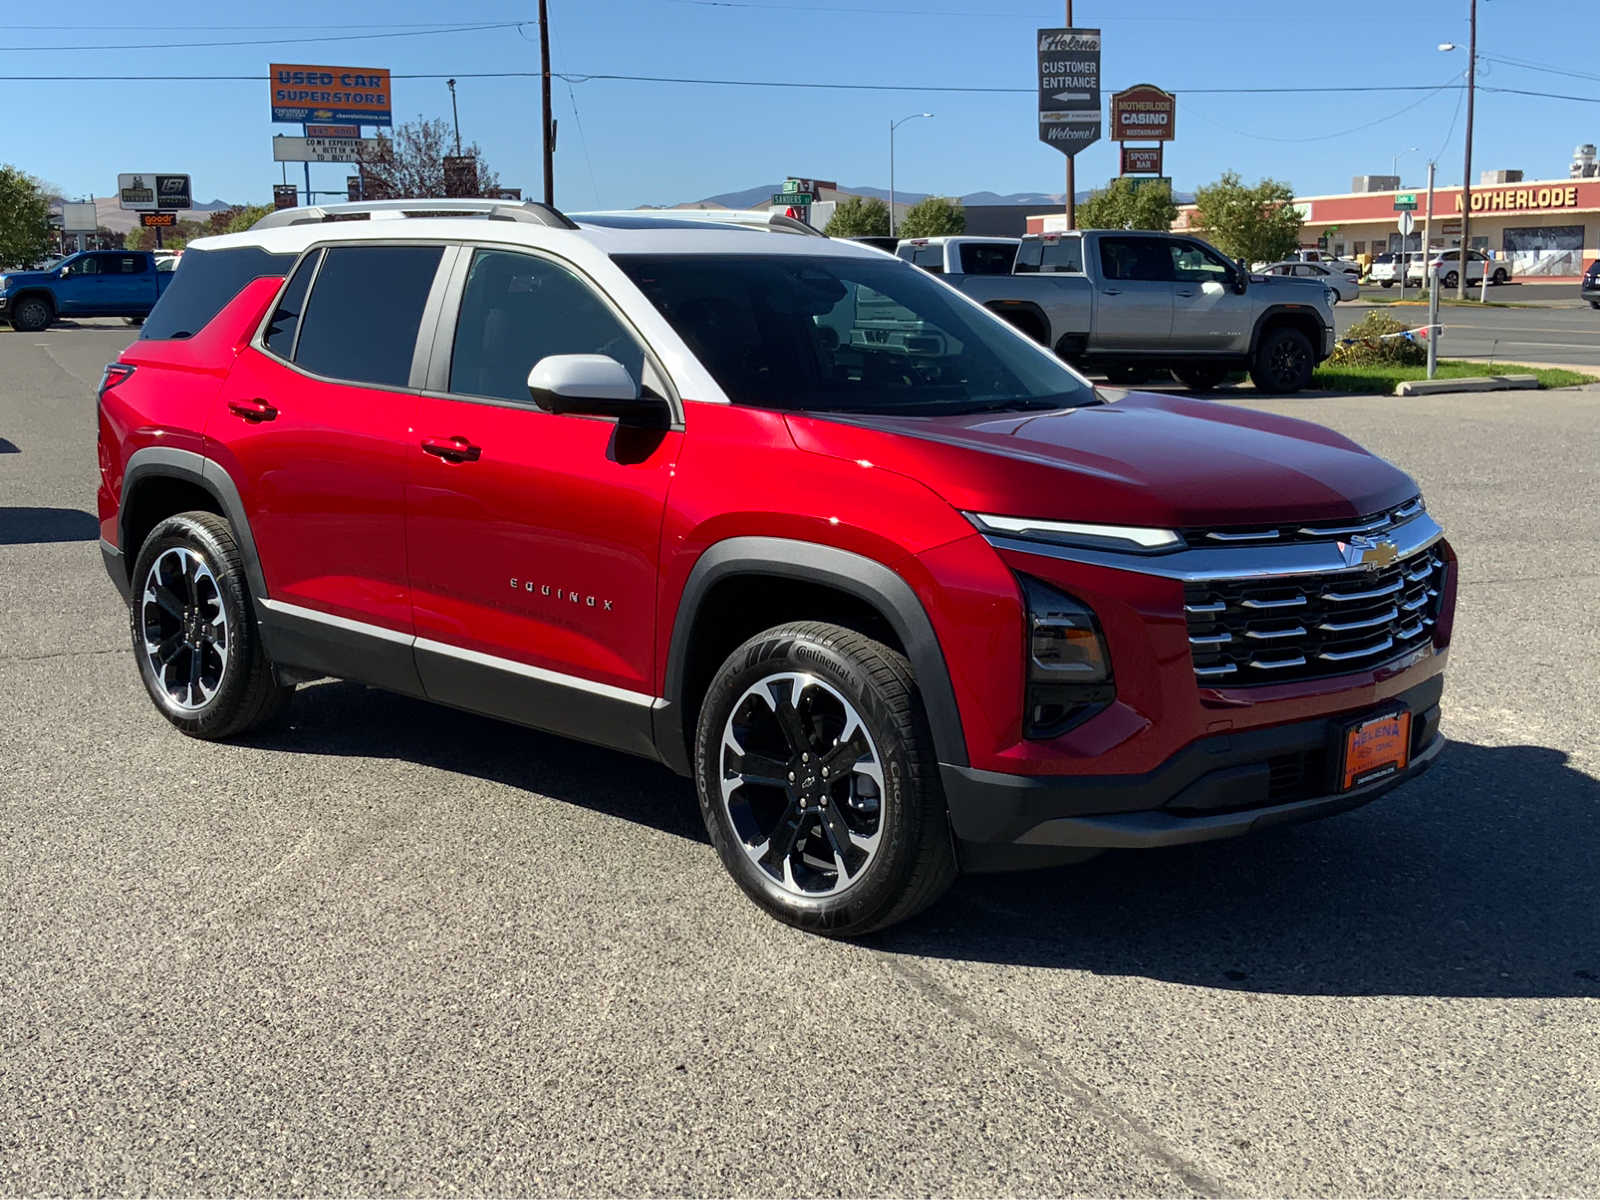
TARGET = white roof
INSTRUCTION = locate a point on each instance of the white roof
(647, 232)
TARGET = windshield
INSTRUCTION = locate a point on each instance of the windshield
(847, 335)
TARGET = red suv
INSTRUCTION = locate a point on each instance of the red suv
(898, 590)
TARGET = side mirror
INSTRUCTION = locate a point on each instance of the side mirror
(594, 385)
(1241, 276)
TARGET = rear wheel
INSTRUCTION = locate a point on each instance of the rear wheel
(1201, 378)
(818, 782)
(1126, 376)
(194, 631)
(1388, 283)
(1450, 279)
(1500, 276)
(31, 314)
(1283, 362)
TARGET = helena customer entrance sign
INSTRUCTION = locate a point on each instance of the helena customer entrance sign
(1069, 88)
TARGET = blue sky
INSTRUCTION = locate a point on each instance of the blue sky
(629, 143)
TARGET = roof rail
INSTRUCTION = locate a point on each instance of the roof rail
(529, 211)
(776, 222)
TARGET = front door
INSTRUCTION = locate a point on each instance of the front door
(1207, 314)
(1133, 306)
(533, 538)
(313, 432)
(80, 287)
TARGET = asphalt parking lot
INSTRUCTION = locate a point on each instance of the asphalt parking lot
(396, 949)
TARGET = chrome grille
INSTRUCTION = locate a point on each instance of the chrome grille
(1279, 630)
(1307, 531)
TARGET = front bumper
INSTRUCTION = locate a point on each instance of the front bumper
(1590, 290)
(1218, 787)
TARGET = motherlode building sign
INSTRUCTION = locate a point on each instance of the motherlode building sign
(1143, 113)
(1069, 88)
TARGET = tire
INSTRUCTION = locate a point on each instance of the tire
(1283, 362)
(1450, 279)
(134, 321)
(1594, 304)
(777, 708)
(32, 314)
(1499, 277)
(195, 560)
(1388, 283)
(1203, 378)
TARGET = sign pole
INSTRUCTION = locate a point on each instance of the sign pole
(1433, 320)
(1427, 230)
(1072, 164)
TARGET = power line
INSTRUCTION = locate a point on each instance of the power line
(342, 37)
(1036, 13)
(1328, 137)
(216, 28)
(1528, 66)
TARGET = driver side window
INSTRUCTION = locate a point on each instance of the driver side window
(1194, 264)
(517, 309)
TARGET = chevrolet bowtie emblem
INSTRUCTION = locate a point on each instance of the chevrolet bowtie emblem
(1361, 551)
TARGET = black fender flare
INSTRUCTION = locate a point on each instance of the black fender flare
(1005, 308)
(42, 293)
(170, 463)
(1299, 314)
(856, 575)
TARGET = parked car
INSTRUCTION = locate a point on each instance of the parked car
(1344, 286)
(899, 607)
(1387, 266)
(1448, 263)
(887, 244)
(1321, 257)
(1130, 302)
(1590, 289)
(96, 283)
(961, 255)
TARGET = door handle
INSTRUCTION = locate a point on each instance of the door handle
(1111, 291)
(254, 411)
(1186, 295)
(452, 449)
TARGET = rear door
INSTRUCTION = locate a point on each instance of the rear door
(129, 286)
(533, 538)
(1133, 303)
(317, 418)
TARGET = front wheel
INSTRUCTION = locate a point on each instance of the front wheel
(1499, 277)
(194, 633)
(1126, 376)
(1283, 362)
(31, 315)
(818, 782)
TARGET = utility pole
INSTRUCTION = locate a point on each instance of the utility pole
(544, 96)
(1427, 233)
(454, 115)
(1072, 172)
(1466, 178)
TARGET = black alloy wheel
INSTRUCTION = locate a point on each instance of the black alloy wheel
(1283, 363)
(31, 315)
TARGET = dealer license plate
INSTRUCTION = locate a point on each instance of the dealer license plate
(1374, 749)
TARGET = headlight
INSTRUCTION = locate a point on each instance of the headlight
(1069, 668)
(1076, 533)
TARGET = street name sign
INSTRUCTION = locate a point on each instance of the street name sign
(1069, 88)
(1405, 202)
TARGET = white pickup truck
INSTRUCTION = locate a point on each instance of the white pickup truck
(1127, 303)
(960, 255)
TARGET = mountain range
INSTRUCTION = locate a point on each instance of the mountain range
(751, 197)
(112, 216)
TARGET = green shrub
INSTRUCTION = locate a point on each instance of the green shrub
(1368, 343)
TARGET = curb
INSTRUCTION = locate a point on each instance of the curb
(1486, 383)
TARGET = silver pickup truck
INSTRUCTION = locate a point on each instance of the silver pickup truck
(1129, 303)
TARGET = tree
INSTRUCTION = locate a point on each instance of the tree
(1257, 224)
(937, 216)
(859, 216)
(1126, 205)
(410, 164)
(24, 219)
(241, 218)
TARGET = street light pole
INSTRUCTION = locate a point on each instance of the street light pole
(544, 106)
(454, 115)
(893, 125)
(1394, 164)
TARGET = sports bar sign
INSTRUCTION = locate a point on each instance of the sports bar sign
(329, 94)
(1143, 113)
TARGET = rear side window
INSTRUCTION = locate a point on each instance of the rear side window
(285, 321)
(204, 283)
(362, 319)
(1139, 260)
(929, 258)
(987, 260)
